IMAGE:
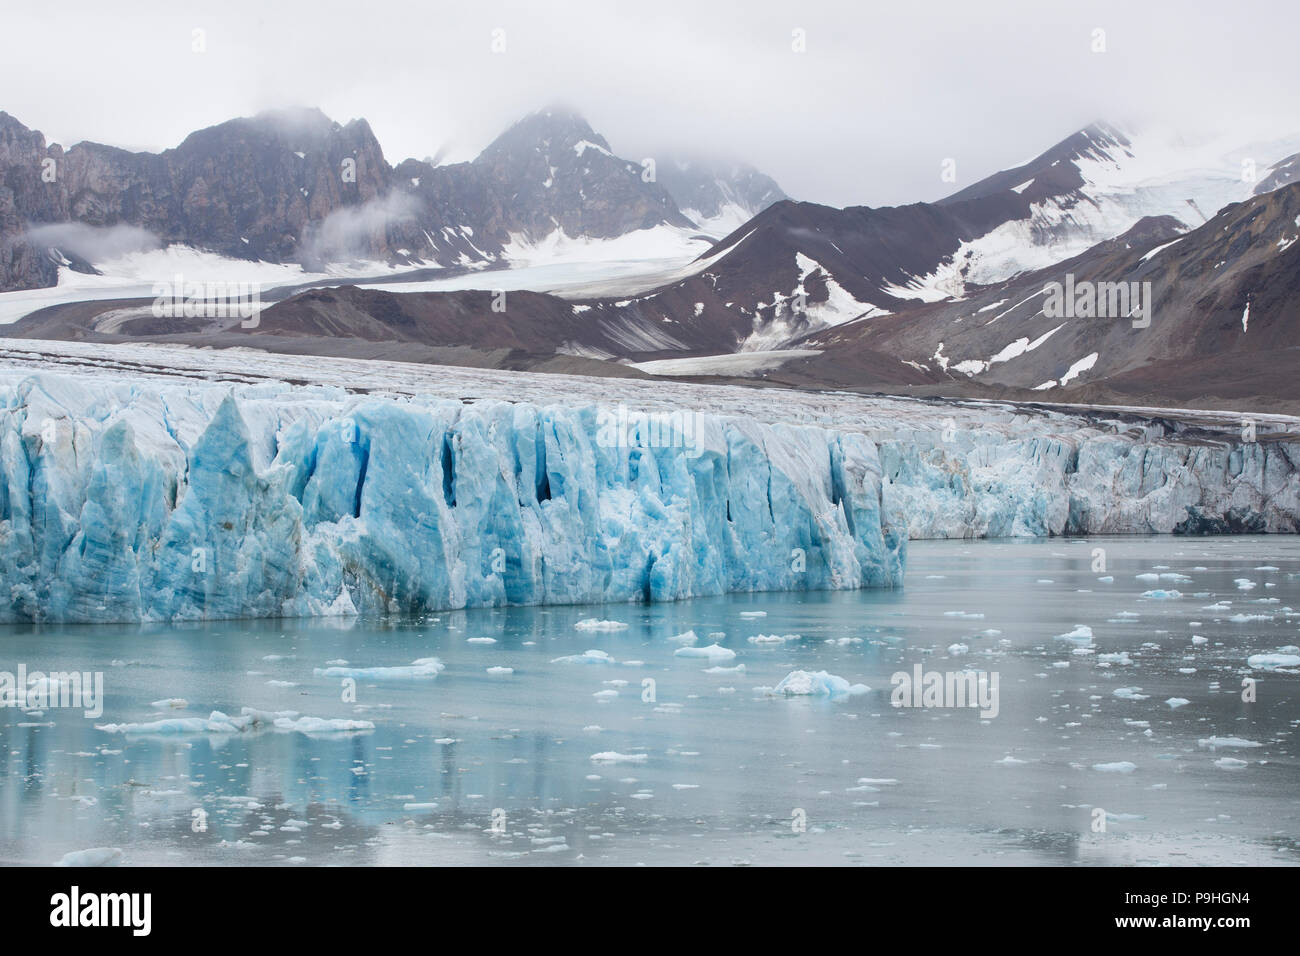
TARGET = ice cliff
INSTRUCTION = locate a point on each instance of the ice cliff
(130, 497)
(128, 501)
(1063, 475)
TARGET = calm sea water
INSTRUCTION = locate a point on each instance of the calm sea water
(474, 766)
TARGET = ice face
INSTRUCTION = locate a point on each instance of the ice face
(123, 502)
(1067, 476)
(142, 497)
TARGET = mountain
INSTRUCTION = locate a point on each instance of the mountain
(562, 174)
(719, 196)
(929, 298)
(249, 188)
(1224, 322)
(549, 172)
(295, 186)
(1279, 174)
(796, 268)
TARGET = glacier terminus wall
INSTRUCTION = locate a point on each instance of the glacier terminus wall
(153, 498)
(134, 502)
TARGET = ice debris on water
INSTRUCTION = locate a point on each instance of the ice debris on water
(1265, 662)
(800, 683)
(1081, 635)
(248, 720)
(714, 653)
(422, 669)
(595, 624)
(613, 756)
(592, 656)
(95, 856)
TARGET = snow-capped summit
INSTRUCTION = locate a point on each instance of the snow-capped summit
(719, 196)
(1098, 183)
(562, 174)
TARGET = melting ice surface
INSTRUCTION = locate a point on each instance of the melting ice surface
(545, 746)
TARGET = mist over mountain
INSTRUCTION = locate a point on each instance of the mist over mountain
(295, 186)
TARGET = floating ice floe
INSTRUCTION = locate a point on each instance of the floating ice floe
(1159, 594)
(1119, 766)
(1219, 743)
(592, 656)
(613, 756)
(247, 721)
(1268, 662)
(1082, 635)
(321, 725)
(596, 624)
(773, 638)
(712, 652)
(426, 668)
(95, 856)
(1176, 702)
(816, 684)
(1129, 693)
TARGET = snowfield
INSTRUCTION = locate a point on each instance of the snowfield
(164, 483)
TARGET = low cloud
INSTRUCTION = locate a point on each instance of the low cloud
(355, 232)
(94, 244)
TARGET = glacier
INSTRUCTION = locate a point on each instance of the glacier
(128, 502)
(153, 484)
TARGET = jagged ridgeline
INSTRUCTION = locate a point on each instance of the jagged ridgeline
(294, 186)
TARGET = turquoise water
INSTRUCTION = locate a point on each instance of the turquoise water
(479, 767)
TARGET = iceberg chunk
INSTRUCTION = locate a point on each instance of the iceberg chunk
(816, 684)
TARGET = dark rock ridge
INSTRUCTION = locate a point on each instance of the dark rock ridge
(293, 185)
(1279, 174)
(817, 255)
(1225, 320)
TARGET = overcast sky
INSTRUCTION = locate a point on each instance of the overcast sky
(880, 97)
